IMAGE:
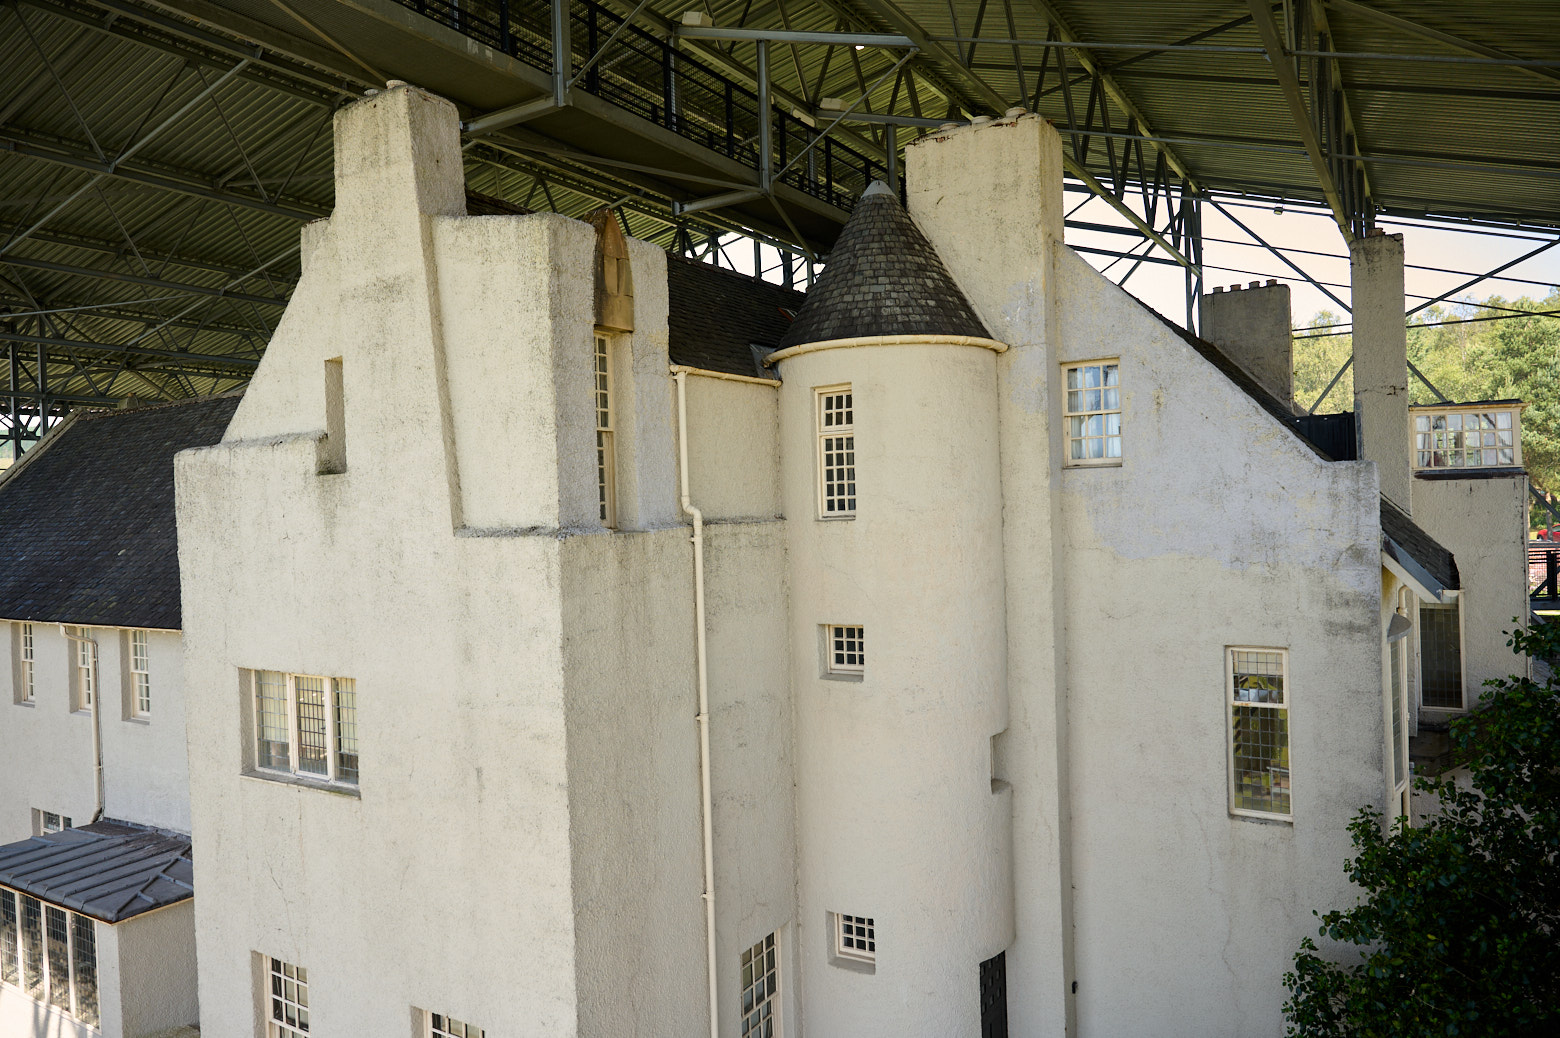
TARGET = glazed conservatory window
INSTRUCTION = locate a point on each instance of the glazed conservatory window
(289, 1000)
(760, 990)
(836, 453)
(50, 954)
(306, 725)
(140, 675)
(1092, 413)
(1467, 436)
(1257, 692)
(1440, 656)
(855, 937)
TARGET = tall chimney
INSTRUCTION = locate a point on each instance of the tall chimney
(1381, 361)
(1251, 326)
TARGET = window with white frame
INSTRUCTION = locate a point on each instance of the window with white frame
(836, 452)
(855, 937)
(49, 954)
(845, 649)
(1257, 694)
(26, 683)
(140, 675)
(761, 990)
(1440, 656)
(288, 1016)
(1468, 436)
(606, 457)
(441, 1026)
(83, 676)
(306, 725)
(49, 822)
(1092, 412)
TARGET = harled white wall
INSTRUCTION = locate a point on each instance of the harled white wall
(48, 746)
(1483, 523)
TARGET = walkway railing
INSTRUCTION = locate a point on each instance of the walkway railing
(647, 76)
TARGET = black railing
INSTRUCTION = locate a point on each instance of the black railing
(647, 76)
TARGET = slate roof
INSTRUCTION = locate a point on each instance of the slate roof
(87, 522)
(717, 316)
(1399, 531)
(883, 278)
(108, 870)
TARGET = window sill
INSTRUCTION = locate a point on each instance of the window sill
(1114, 463)
(143, 721)
(29, 703)
(284, 778)
(836, 518)
(830, 675)
(1244, 816)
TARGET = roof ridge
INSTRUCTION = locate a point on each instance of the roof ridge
(96, 413)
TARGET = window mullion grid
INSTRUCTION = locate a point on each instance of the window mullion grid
(294, 744)
(332, 745)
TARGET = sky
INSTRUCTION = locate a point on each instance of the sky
(1231, 257)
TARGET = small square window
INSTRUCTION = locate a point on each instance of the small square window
(855, 937)
(845, 651)
(1092, 412)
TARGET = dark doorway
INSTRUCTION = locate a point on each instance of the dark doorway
(993, 997)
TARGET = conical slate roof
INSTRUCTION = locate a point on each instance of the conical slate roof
(883, 278)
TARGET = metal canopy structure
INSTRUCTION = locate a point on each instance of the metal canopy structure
(157, 157)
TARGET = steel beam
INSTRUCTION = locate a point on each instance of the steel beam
(1289, 86)
(212, 359)
(846, 39)
(27, 263)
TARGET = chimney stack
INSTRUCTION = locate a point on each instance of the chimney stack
(1251, 326)
(1381, 361)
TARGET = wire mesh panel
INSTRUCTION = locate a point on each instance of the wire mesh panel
(10, 936)
(1440, 656)
(58, 946)
(32, 947)
(346, 730)
(313, 728)
(1259, 731)
(83, 956)
(271, 718)
(760, 989)
(289, 1016)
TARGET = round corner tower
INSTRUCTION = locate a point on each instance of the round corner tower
(892, 492)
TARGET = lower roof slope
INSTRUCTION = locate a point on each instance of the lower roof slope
(108, 870)
(716, 317)
(87, 518)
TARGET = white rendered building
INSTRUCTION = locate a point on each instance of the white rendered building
(1022, 643)
(96, 922)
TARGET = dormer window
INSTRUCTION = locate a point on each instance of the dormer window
(1468, 436)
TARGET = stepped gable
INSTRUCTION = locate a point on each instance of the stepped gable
(883, 278)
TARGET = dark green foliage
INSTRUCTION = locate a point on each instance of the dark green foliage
(1458, 930)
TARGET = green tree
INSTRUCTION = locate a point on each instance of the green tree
(1458, 928)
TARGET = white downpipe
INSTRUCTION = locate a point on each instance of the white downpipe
(97, 722)
(704, 694)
